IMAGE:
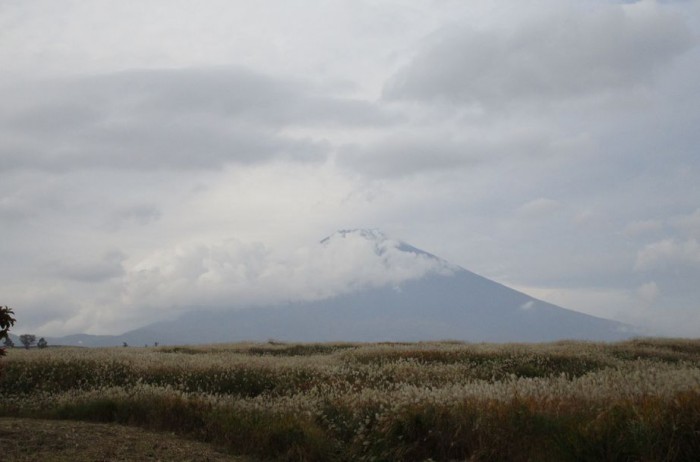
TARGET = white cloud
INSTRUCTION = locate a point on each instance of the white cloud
(642, 227)
(648, 293)
(235, 274)
(668, 253)
(689, 224)
(539, 207)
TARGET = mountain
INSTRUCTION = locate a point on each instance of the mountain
(441, 301)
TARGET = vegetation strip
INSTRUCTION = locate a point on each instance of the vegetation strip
(637, 400)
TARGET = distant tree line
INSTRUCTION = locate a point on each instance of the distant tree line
(8, 320)
(29, 339)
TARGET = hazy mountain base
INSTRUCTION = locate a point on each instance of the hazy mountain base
(636, 400)
(462, 306)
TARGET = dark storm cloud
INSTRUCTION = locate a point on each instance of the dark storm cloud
(556, 57)
(168, 119)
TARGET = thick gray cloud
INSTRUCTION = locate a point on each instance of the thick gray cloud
(168, 119)
(409, 153)
(451, 145)
(139, 214)
(107, 267)
(556, 56)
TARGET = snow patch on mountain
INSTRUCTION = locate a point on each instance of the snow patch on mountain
(382, 243)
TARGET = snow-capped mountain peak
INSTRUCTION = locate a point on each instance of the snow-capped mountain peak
(382, 242)
(370, 234)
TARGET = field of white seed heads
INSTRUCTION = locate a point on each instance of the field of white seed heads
(439, 401)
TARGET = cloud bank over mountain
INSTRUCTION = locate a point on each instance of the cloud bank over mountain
(235, 274)
(392, 291)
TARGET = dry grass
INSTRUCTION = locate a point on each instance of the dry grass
(31, 440)
(565, 401)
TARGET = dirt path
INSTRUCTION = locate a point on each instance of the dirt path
(29, 440)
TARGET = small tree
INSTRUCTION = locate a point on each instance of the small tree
(8, 342)
(42, 343)
(7, 320)
(27, 340)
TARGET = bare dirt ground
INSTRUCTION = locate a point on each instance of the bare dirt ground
(29, 440)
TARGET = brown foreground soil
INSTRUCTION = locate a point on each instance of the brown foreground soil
(30, 440)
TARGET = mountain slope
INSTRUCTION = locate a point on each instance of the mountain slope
(446, 302)
(459, 307)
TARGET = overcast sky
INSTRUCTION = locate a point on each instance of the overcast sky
(159, 154)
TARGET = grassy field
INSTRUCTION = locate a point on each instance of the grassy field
(567, 401)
